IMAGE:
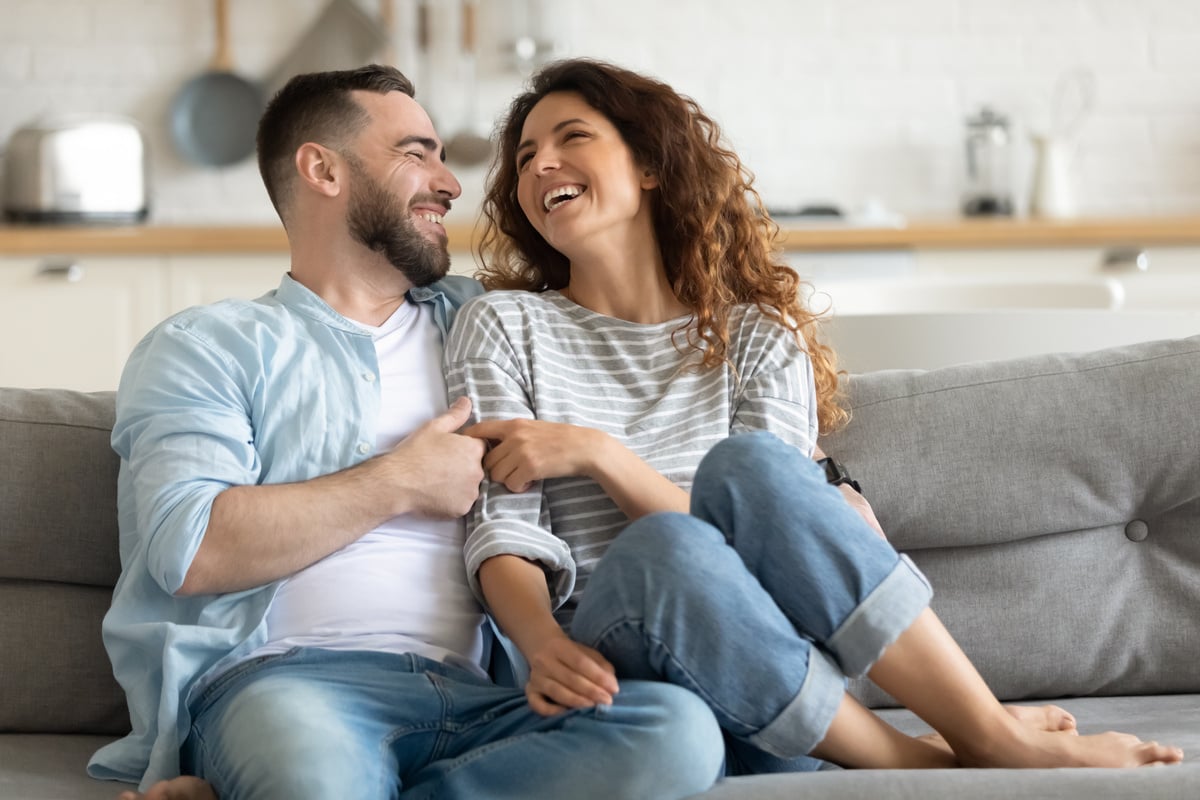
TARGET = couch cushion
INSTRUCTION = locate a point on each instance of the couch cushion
(1054, 502)
(58, 562)
(52, 768)
(58, 496)
(1164, 718)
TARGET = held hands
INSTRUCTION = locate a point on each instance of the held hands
(565, 674)
(528, 450)
(440, 469)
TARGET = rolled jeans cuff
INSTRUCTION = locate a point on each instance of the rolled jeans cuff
(879, 620)
(805, 720)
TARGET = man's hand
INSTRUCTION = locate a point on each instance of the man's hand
(565, 674)
(527, 450)
(437, 469)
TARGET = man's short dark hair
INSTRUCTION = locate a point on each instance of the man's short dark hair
(316, 107)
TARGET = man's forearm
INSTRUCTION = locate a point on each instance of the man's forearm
(259, 534)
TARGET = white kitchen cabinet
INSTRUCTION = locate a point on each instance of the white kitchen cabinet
(199, 280)
(72, 322)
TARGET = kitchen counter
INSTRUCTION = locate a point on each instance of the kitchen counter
(794, 236)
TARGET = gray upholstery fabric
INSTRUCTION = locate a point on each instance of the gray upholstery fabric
(58, 562)
(1053, 501)
(52, 768)
(1013, 485)
(1169, 718)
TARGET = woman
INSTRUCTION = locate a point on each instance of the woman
(647, 327)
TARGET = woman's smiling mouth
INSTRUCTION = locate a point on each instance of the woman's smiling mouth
(560, 195)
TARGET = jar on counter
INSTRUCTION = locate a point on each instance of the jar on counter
(989, 151)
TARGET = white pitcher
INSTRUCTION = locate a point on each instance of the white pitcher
(1053, 194)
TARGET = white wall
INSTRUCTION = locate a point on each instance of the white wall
(836, 100)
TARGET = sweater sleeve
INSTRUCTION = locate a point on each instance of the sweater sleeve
(776, 391)
(484, 363)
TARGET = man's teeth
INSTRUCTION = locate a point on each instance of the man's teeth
(554, 197)
(436, 219)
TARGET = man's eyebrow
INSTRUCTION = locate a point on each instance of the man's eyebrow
(557, 128)
(426, 142)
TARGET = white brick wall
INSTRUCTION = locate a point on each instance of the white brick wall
(827, 100)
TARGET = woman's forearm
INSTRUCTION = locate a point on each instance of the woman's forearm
(636, 487)
(519, 599)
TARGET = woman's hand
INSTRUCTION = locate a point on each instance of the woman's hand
(527, 450)
(565, 674)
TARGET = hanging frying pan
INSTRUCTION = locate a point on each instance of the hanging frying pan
(214, 116)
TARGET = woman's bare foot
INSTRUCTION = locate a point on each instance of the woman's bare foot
(1044, 718)
(184, 787)
(1023, 745)
(1054, 719)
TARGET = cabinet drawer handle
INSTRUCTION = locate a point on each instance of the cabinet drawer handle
(69, 271)
(1125, 259)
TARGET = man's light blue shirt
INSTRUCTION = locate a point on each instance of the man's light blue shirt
(275, 390)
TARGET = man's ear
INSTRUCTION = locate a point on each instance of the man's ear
(320, 169)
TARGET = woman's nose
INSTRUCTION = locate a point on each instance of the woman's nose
(544, 161)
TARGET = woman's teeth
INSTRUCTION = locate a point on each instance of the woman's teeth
(560, 195)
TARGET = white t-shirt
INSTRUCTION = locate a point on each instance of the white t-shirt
(402, 588)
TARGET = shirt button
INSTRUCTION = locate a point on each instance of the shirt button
(368, 376)
(363, 448)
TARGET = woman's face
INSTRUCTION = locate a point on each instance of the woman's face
(577, 181)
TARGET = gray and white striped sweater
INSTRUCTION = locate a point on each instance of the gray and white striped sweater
(540, 356)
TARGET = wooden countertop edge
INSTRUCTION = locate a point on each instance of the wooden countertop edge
(949, 233)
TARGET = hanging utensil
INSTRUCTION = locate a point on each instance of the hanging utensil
(471, 144)
(214, 116)
(342, 36)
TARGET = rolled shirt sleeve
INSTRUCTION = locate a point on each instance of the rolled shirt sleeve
(483, 365)
(184, 435)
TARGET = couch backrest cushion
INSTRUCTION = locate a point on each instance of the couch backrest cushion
(58, 562)
(1054, 502)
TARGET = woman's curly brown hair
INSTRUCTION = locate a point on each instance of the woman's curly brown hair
(716, 239)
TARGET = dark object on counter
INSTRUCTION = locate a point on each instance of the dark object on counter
(989, 165)
(82, 168)
(818, 211)
(214, 116)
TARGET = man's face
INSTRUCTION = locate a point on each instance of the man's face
(400, 212)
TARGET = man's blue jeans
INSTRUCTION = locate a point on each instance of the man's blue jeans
(761, 601)
(315, 723)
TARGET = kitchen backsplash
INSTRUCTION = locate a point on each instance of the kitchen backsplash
(835, 101)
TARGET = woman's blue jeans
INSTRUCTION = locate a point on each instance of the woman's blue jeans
(315, 723)
(761, 601)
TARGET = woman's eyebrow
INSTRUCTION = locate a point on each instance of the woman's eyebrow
(556, 129)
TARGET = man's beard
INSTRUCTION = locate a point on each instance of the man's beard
(382, 223)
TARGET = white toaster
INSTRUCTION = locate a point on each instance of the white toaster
(81, 168)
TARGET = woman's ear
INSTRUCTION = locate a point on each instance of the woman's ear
(649, 179)
(319, 169)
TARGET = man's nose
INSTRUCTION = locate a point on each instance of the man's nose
(444, 182)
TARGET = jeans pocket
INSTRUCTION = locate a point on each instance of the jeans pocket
(220, 685)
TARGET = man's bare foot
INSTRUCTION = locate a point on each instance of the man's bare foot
(1024, 745)
(184, 787)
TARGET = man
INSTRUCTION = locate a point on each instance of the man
(293, 617)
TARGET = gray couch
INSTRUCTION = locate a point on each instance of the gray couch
(1054, 502)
